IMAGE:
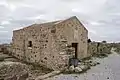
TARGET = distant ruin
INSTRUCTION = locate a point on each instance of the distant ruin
(95, 48)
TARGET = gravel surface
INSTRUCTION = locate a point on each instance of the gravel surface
(109, 69)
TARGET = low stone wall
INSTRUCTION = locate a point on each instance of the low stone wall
(92, 48)
(104, 48)
(6, 49)
(97, 48)
(117, 47)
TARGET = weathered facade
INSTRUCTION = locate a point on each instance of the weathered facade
(49, 44)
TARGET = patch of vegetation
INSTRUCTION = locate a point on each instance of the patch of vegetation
(1, 59)
(100, 55)
(87, 58)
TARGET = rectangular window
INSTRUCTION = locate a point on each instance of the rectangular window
(30, 44)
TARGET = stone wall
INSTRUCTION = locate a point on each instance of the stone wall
(97, 48)
(117, 47)
(104, 48)
(6, 48)
(18, 44)
(41, 50)
(66, 33)
(92, 48)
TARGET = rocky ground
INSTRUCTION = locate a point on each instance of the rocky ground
(13, 69)
(108, 69)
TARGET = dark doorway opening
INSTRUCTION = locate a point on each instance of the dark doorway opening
(75, 45)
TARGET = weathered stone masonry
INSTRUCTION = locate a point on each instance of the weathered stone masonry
(98, 48)
(47, 44)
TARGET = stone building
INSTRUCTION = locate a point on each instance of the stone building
(49, 44)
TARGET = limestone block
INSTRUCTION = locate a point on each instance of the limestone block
(78, 69)
(84, 67)
(71, 68)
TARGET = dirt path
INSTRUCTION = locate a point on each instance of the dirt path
(109, 69)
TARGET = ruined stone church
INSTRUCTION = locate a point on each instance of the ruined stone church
(49, 44)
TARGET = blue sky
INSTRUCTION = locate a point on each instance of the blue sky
(100, 17)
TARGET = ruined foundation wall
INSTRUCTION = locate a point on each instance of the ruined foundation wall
(117, 47)
(6, 48)
(97, 48)
(92, 48)
(104, 48)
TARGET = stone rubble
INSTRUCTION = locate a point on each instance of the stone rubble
(78, 69)
(71, 68)
(10, 70)
(83, 66)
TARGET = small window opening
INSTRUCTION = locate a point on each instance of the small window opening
(28, 58)
(53, 31)
(30, 44)
(42, 61)
(45, 58)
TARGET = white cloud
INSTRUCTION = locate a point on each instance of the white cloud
(37, 17)
(1, 27)
(5, 22)
(3, 31)
(3, 3)
(76, 10)
(95, 23)
(92, 31)
(12, 7)
(14, 1)
(18, 28)
(114, 14)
